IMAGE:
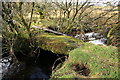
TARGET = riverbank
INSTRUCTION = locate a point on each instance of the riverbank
(67, 57)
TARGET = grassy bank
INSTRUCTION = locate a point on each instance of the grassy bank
(90, 61)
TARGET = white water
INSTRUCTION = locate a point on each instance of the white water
(95, 38)
(4, 64)
(99, 41)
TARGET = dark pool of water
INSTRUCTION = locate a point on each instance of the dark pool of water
(31, 72)
(36, 73)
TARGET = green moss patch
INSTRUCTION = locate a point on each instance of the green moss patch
(90, 61)
(57, 43)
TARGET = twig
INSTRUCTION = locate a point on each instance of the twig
(57, 60)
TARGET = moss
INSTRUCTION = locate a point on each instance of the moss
(0, 44)
(102, 62)
(57, 43)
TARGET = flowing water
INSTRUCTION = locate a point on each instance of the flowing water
(95, 38)
(20, 71)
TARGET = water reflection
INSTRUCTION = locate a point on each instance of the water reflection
(36, 73)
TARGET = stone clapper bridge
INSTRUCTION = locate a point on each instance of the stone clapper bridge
(84, 60)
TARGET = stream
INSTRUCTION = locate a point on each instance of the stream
(20, 70)
(92, 37)
(42, 68)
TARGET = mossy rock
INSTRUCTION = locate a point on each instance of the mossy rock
(90, 61)
(57, 43)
